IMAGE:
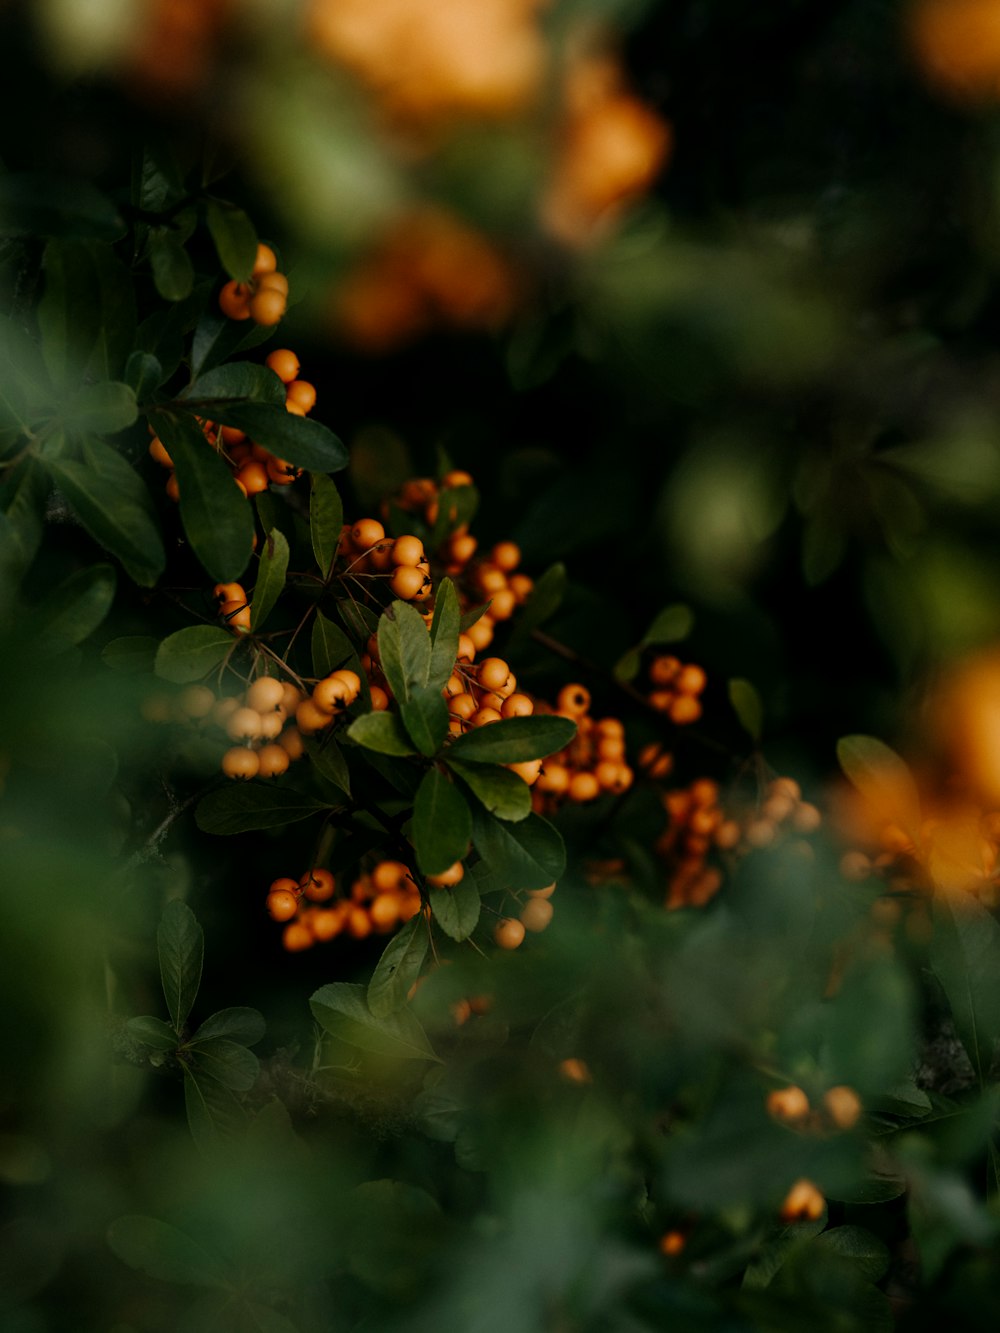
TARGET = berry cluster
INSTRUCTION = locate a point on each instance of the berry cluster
(254, 467)
(265, 740)
(698, 827)
(594, 761)
(264, 299)
(379, 902)
(534, 916)
(401, 561)
(840, 1109)
(675, 688)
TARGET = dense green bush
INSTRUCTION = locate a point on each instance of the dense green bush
(745, 1078)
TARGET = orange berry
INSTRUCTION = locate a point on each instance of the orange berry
(243, 725)
(236, 616)
(196, 702)
(482, 717)
(455, 478)
(672, 1242)
(266, 261)
(266, 694)
(536, 914)
(506, 556)
(529, 770)
(297, 936)
(359, 923)
(547, 892)
(480, 635)
(384, 911)
(157, 452)
(274, 760)
(253, 477)
(583, 786)
(387, 876)
(291, 742)
(172, 488)
(684, 710)
(318, 886)
(466, 649)
(272, 282)
(664, 670)
(789, 1104)
(302, 393)
(554, 777)
(234, 300)
(690, 680)
(284, 363)
(843, 1106)
(521, 586)
(503, 604)
(240, 763)
(461, 548)
(508, 933)
(407, 582)
(573, 700)
(493, 673)
(267, 306)
(310, 718)
(379, 698)
(367, 532)
(517, 705)
(330, 695)
(282, 904)
(806, 818)
(407, 550)
(803, 1202)
(447, 878)
(281, 472)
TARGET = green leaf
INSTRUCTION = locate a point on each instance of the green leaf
(503, 793)
(228, 1062)
(445, 629)
(69, 312)
(33, 204)
(382, 732)
(217, 338)
(342, 1009)
(747, 707)
(404, 645)
(215, 1115)
(180, 945)
(627, 666)
(152, 1032)
(964, 951)
(245, 807)
(442, 823)
(217, 520)
(101, 408)
(163, 1252)
(239, 1023)
(360, 620)
(331, 648)
(864, 1250)
(768, 1261)
(514, 740)
(326, 519)
(73, 610)
(112, 502)
(457, 505)
(543, 602)
(329, 760)
(883, 779)
(143, 374)
(398, 968)
(235, 238)
(191, 653)
(425, 716)
(456, 910)
(173, 272)
(270, 578)
(673, 623)
(236, 382)
(299, 440)
(526, 855)
(134, 654)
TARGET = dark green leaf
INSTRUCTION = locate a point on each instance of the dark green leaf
(526, 855)
(228, 1062)
(883, 779)
(217, 520)
(215, 1116)
(442, 824)
(180, 945)
(270, 578)
(235, 238)
(188, 654)
(144, 375)
(861, 1247)
(32, 204)
(245, 807)
(543, 602)
(331, 648)
(457, 505)
(217, 338)
(152, 1032)
(329, 760)
(135, 653)
(69, 313)
(398, 968)
(342, 1010)
(299, 440)
(425, 716)
(23, 492)
(404, 646)
(456, 910)
(163, 1252)
(326, 519)
(669, 625)
(502, 792)
(382, 732)
(863, 1054)
(116, 300)
(173, 272)
(236, 382)
(73, 609)
(112, 502)
(767, 1263)
(240, 1024)
(360, 620)
(627, 666)
(964, 951)
(514, 740)
(445, 629)
(747, 707)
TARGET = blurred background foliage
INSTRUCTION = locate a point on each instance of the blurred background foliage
(705, 298)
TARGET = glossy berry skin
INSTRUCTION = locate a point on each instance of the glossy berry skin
(508, 933)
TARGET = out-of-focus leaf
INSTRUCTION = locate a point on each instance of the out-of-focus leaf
(165, 1253)
(883, 779)
(747, 707)
(73, 609)
(964, 954)
(227, 1061)
(180, 945)
(249, 806)
(191, 653)
(240, 1024)
(342, 1010)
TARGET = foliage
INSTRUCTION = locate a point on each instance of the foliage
(455, 874)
